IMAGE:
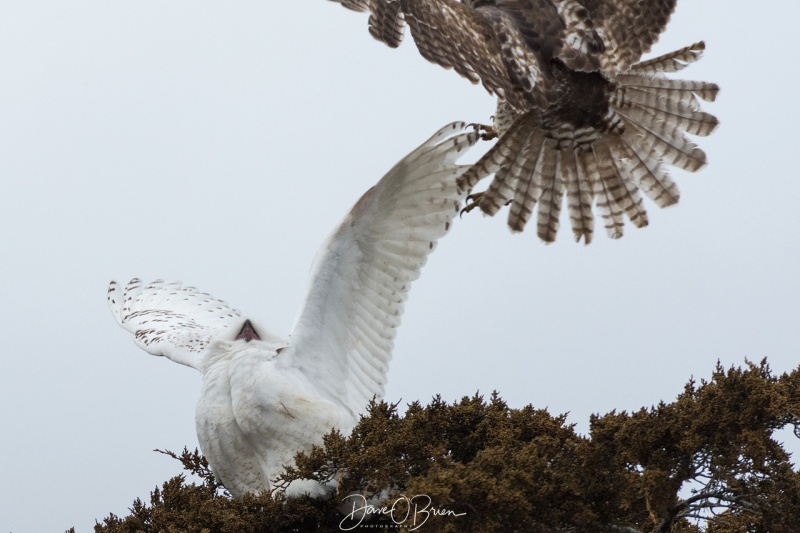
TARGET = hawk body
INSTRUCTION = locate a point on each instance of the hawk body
(577, 115)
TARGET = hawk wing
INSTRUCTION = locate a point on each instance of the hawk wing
(484, 45)
(343, 339)
(170, 320)
(629, 28)
(507, 44)
(457, 37)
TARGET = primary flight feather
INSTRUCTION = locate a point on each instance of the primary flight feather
(264, 398)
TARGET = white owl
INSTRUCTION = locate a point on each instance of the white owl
(264, 398)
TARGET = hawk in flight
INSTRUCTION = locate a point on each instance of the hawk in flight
(578, 112)
(265, 398)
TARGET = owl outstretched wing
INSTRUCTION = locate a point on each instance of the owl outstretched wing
(343, 338)
(168, 319)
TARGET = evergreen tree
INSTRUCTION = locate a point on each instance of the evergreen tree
(706, 462)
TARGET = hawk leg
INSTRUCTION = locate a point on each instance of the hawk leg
(473, 200)
(486, 133)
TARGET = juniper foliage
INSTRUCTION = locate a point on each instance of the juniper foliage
(707, 462)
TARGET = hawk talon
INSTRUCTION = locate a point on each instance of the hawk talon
(486, 133)
(472, 202)
(489, 134)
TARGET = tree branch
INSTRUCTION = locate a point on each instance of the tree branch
(687, 505)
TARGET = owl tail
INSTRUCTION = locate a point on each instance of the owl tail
(538, 159)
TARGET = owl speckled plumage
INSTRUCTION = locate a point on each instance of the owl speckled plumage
(576, 113)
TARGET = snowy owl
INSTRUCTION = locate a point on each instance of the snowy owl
(264, 398)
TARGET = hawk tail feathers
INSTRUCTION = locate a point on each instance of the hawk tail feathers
(670, 62)
(539, 158)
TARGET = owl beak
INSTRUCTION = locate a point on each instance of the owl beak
(247, 332)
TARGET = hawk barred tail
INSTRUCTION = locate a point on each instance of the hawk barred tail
(578, 112)
(542, 155)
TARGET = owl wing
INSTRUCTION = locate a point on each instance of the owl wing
(343, 338)
(170, 320)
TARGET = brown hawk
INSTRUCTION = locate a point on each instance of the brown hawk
(578, 112)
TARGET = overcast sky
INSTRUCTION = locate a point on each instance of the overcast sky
(217, 143)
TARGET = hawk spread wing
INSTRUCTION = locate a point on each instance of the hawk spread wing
(577, 115)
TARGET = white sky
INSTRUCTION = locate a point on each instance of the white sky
(217, 143)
